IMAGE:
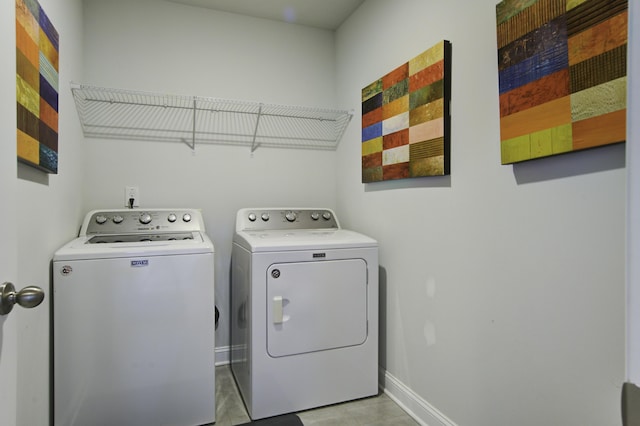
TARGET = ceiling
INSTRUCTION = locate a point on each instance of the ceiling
(325, 14)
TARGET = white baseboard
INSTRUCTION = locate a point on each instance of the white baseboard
(223, 355)
(421, 411)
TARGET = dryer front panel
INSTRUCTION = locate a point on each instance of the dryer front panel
(316, 306)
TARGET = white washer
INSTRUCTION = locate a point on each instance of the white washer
(133, 321)
(304, 301)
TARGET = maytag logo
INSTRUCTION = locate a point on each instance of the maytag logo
(139, 263)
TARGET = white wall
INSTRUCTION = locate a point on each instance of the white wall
(171, 48)
(48, 210)
(633, 206)
(503, 287)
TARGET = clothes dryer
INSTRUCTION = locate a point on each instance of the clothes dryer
(304, 301)
(133, 321)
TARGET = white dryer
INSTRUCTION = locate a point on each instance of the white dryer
(304, 301)
(133, 321)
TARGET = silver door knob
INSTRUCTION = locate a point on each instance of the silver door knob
(28, 297)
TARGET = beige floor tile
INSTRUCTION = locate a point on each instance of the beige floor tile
(378, 410)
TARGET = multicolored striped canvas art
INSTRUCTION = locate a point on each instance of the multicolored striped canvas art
(36, 87)
(405, 119)
(562, 70)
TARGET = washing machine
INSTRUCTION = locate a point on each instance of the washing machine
(133, 321)
(304, 299)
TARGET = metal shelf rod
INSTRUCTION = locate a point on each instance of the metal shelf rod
(195, 108)
(255, 131)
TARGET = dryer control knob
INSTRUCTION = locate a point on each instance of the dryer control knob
(186, 217)
(326, 215)
(265, 216)
(315, 215)
(117, 219)
(145, 218)
(100, 219)
(252, 217)
(291, 216)
(172, 217)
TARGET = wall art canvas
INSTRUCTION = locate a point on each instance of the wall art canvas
(37, 48)
(406, 121)
(562, 76)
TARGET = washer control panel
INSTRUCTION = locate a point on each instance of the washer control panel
(253, 219)
(105, 222)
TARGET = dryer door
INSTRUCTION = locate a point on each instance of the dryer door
(314, 306)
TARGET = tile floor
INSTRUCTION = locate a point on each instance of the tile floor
(374, 411)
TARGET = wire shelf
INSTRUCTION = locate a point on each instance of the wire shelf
(127, 114)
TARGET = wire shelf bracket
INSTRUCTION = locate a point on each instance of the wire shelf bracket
(134, 115)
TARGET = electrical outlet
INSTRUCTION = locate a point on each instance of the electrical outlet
(129, 193)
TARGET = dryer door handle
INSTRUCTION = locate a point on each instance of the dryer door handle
(277, 310)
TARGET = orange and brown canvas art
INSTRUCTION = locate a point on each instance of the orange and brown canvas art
(562, 76)
(406, 120)
(37, 68)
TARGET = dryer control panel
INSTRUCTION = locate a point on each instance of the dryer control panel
(257, 219)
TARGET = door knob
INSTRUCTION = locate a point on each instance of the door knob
(28, 297)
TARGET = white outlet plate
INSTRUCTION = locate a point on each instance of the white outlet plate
(132, 192)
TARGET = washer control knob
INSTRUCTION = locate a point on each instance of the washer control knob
(265, 216)
(252, 217)
(326, 215)
(145, 218)
(186, 217)
(100, 219)
(291, 216)
(172, 217)
(117, 219)
(315, 215)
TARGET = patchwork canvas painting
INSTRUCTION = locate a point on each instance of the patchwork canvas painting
(406, 120)
(562, 74)
(36, 87)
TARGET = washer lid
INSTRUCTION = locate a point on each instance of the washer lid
(305, 239)
(81, 249)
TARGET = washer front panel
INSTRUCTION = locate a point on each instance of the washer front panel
(134, 341)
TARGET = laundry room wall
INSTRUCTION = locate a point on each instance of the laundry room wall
(502, 287)
(164, 47)
(631, 404)
(48, 209)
